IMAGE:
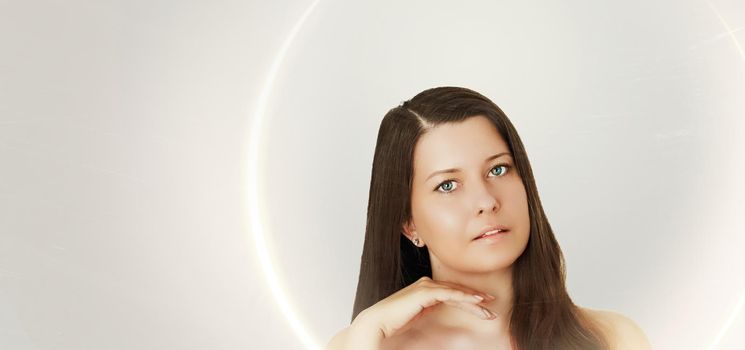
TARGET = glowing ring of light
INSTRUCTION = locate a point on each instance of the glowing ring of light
(740, 303)
(254, 209)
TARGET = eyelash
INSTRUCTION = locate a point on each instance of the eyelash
(507, 166)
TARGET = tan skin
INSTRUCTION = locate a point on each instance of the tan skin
(449, 210)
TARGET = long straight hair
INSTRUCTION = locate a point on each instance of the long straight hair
(543, 314)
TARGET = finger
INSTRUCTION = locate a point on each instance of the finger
(486, 296)
(475, 310)
(466, 289)
(443, 294)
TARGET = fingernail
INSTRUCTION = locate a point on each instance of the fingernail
(478, 297)
(487, 313)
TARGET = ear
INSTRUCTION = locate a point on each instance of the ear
(409, 229)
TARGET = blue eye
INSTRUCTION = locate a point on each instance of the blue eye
(442, 185)
(500, 166)
(447, 185)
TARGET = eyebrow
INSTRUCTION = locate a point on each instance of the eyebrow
(453, 170)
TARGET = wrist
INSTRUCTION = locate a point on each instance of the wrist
(366, 327)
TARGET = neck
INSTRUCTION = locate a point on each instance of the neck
(498, 283)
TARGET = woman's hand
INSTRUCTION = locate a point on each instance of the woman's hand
(391, 314)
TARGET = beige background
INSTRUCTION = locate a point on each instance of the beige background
(124, 159)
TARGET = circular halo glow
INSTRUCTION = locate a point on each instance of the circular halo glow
(739, 306)
(255, 217)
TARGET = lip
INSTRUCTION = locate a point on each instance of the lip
(505, 229)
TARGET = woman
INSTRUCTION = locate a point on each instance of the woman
(455, 229)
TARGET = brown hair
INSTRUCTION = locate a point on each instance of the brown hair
(543, 315)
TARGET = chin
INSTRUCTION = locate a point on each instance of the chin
(491, 266)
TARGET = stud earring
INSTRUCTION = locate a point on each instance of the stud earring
(416, 241)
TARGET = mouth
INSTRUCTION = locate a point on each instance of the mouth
(492, 232)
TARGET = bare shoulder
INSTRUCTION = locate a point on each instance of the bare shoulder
(622, 332)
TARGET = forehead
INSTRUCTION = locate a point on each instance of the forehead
(457, 145)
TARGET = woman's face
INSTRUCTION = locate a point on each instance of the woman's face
(450, 209)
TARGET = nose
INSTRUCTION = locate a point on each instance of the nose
(486, 201)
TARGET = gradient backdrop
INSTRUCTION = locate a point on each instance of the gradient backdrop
(194, 175)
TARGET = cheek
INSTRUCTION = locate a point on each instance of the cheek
(519, 206)
(440, 221)
(516, 195)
